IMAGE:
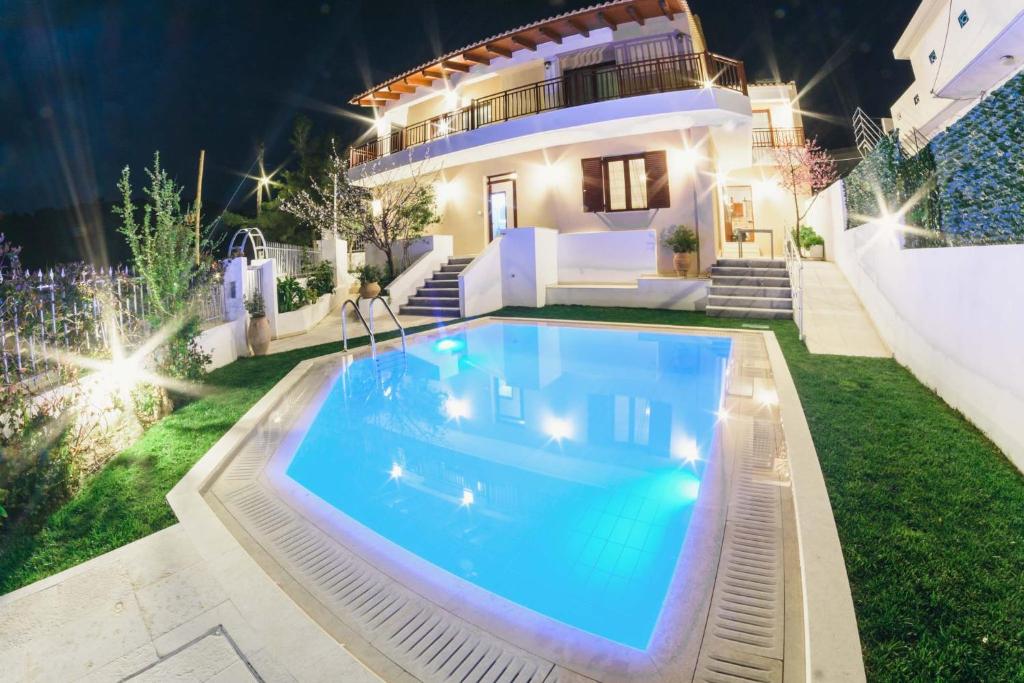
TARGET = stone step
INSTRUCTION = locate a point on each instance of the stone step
(439, 292)
(771, 292)
(748, 271)
(434, 311)
(745, 312)
(443, 275)
(461, 260)
(749, 263)
(734, 280)
(750, 302)
(438, 301)
(442, 284)
(453, 267)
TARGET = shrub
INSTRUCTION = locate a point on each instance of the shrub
(291, 295)
(321, 279)
(806, 238)
(368, 273)
(680, 239)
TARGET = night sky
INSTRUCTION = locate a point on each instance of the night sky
(87, 87)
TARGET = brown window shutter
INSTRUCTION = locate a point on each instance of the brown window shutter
(657, 180)
(593, 185)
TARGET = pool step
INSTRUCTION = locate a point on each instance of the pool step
(750, 288)
(439, 296)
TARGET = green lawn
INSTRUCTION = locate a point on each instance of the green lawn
(931, 515)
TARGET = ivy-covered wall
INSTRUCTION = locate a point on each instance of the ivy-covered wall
(967, 184)
(980, 169)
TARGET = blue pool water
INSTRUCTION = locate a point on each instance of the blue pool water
(555, 466)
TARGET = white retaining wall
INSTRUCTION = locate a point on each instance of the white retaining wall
(226, 342)
(513, 270)
(607, 257)
(954, 316)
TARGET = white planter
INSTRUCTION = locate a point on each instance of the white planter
(816, 252)
(304, 319)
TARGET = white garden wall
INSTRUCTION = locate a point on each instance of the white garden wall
(226, 342)
(607, 257)
(954, 316)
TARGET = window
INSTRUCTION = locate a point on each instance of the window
(632, 182)
(963, 19)
(932, 57)
(917, 99)
(625, 183)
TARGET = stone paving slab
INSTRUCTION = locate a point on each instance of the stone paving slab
(835, 322)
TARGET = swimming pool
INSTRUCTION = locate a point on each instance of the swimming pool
(554, 466)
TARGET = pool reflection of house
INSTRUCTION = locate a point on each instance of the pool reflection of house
(550, 414)
(607, 126)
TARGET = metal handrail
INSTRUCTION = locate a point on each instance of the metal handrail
(373, 341)
(771, 237)
(344, 330)
(794, 261)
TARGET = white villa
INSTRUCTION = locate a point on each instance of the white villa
(959, 53)
(581, 139)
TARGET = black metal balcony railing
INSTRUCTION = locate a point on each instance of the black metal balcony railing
(665, 74)
(778, 137)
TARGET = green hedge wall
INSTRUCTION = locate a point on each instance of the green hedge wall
(970, 177)
(980, 169)
(873, 179)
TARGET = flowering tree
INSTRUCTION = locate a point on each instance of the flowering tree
(392, 210)
(804, 170)
(325, 204)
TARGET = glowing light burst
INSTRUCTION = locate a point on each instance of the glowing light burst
(467, 498)
(558, 428)
(893, 222)
(456, 409)
(448, 345)
(396, 471)
(123, 372)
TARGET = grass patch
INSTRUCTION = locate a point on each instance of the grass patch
(930, 513)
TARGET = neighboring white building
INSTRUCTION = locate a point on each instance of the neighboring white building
(616, 120)
(959, 50)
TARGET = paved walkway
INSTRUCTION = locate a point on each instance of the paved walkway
(150, 611)
(835, 322)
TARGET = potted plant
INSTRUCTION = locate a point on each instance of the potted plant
(369, 280)
(259, 326)
(683, 242)
(809, 242)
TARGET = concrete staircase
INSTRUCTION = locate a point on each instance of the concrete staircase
(439, 296)
(750, 288)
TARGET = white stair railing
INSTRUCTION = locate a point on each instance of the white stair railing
(795, 268)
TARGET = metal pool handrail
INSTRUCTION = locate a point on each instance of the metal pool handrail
(394, 318)
(795, 268)
(344, 330)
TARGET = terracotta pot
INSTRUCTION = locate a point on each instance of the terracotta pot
(681, 262)
(259, 335)
(369, 290)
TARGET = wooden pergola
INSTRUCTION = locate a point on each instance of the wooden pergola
(580, 22)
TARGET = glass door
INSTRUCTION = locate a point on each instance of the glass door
(501, 204)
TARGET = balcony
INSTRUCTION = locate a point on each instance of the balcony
(778, 137)
(666, 74)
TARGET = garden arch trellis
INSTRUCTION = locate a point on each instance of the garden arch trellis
(244, 236)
